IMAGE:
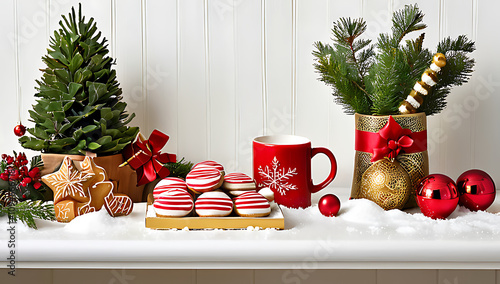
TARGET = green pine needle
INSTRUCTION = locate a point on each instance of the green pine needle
(27, 211)
(180, 168)
(375, 81)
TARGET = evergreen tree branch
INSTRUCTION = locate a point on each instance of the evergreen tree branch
(27, 211)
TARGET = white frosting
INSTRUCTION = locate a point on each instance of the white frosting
(267, 193)
(435, 68)
(413, 102)
(239, 192)
(239, 186)
(428, 80)
(420, 89)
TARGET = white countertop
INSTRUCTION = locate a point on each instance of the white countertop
(362, 236)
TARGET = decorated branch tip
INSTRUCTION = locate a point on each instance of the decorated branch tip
(428, 80)
(376, 78)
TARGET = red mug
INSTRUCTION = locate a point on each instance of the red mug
(283, 163)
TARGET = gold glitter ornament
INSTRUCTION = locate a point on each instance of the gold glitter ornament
(387, 184)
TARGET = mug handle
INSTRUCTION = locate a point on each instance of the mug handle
(333, 168)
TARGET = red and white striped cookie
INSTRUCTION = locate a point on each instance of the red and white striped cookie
(173, 203)
(167, 184)
(238, 181)
(210, 163)
(251, 204)
(213, 204)
(204, 178)
(239, 192)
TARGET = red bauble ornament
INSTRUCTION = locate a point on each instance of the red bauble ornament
(19, 130)
(329, 205)
(477, 190)
(437, 196)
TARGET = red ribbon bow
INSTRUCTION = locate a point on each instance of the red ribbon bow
(145, 157)
(395, 139)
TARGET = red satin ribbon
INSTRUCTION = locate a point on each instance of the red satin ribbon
(145, 157)
(390, 141)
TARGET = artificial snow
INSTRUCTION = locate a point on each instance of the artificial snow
(357, 220)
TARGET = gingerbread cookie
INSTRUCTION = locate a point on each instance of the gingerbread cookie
(204, 178)
(251, 204)
(173, 203)
(118, 204)
(238, 181)
(67, 182)
(167, 184)
(98, 187)
(213, 204)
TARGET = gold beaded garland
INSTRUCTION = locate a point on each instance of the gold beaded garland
(429, 79)
(439, 59)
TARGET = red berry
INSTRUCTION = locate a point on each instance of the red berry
(24, 195)
(19, 130)
(4, 156)
(9, 160)
(4, 176)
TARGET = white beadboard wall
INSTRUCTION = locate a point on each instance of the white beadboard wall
(214, 74)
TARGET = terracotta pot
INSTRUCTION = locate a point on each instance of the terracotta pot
(125, 177)
(415, 164)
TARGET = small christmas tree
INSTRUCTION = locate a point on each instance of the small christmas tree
(78, 105)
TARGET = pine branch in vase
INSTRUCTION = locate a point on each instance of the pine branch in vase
(375, 79)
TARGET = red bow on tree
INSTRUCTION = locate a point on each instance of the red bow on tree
(394, 138)
(145, 157)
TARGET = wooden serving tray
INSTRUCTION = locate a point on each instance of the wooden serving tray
(275, 220)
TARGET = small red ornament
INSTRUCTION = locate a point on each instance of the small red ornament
(19, 130)
(329, 205)
(477, 190)
(437, 196)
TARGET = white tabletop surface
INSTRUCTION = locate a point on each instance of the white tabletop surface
(361, 236)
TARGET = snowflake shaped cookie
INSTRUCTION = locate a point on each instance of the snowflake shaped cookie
(276, 178)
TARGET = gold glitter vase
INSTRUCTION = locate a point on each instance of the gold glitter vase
(416, 165)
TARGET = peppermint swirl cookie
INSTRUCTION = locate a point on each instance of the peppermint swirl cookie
(204, 178)
(167, 184)
(213, 204)
(210, 163)
(238, 181)
(251, 204)
(173, 203)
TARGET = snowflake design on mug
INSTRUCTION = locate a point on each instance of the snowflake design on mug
(276, 178)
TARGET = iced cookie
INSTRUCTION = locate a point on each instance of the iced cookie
(251, 204)
(173, 203)
(210, 163)
(267, 193)
(118, 204)
(239, 192)
(204, 178)
(213, 204)
(238, 181)
(167, 184)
